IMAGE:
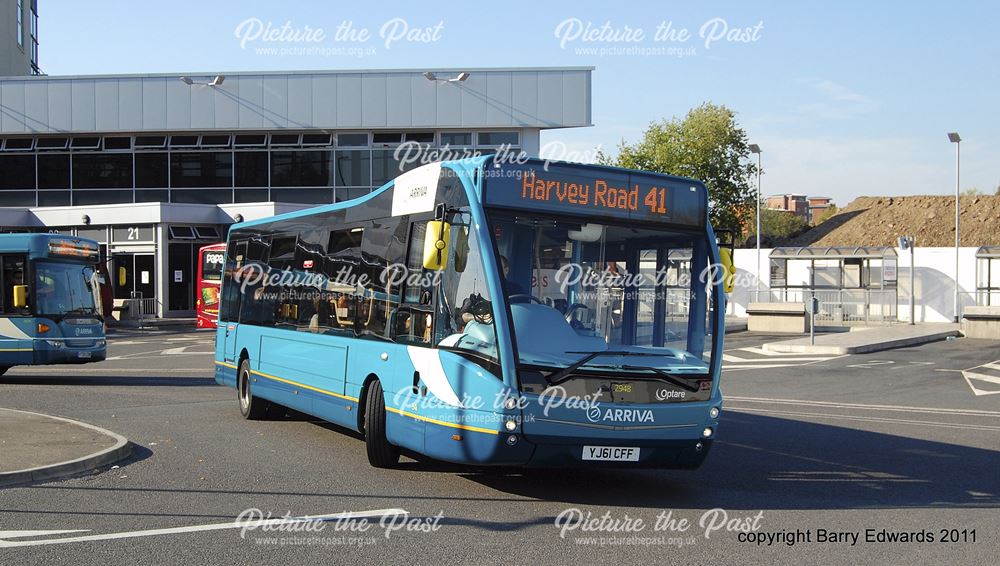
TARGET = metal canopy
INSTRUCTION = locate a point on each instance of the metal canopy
(988, 252)
(834, 252)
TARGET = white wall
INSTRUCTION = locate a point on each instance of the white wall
(934, 272)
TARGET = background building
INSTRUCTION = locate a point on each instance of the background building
(18, 37)
(153, 166)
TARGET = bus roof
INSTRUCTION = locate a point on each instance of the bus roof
(39, 245)
(696, 209)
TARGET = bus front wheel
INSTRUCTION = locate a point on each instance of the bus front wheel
(381, 454)
(252, 408)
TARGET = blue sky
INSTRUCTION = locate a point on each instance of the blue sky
(845, 98)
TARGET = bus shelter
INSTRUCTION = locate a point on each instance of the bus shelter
(853, 284)
(988, 276)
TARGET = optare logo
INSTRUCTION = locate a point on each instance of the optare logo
(664, 394)
(307, 264)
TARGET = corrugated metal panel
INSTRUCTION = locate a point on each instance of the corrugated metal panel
(449, 105)
(226, 111)
(324, 100)
(36, 106)
(423, 101)
(473, 99)
(154, 101)
(84, 118)
(130, 104)
(275, 102)
(550, 97)
(250, 94)
(60, 106)
(349, 101)
(397, 106)
(178, 105)
(106, 105)
(532, 98)
(498, 99)
(300, 108)
(12, 106)
(373, 101)
(202, 107)
(524, 94)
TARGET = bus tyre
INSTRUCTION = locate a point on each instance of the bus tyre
(252, 408)
(381, 454)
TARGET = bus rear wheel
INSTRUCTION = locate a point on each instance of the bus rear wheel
(381, 453)
(251, 407)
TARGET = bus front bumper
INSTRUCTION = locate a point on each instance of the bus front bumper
(69, 351)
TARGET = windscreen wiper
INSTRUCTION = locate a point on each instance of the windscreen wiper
(563, 374)
(670, 378)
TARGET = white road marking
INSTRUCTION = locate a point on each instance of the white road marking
(234, 524)
(872, 419)
(23, 534)
(835, 405)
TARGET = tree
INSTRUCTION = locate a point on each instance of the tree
(829, 212)
(707, 145)
(779, 225)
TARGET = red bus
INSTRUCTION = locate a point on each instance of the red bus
(211, 259)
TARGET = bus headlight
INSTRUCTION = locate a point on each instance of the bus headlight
(511, 440)
(510, 403)
(707, 432)
(713, 412)
(57, 344)
(510, 425)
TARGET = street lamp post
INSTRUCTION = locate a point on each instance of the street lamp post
(954, 138)
(755, 149)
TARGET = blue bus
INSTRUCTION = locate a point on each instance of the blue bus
(49, 302)
(523, 313)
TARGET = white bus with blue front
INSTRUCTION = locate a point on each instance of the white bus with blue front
(516, 314)
(49, 301)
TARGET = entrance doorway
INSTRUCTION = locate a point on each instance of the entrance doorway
(133, 275)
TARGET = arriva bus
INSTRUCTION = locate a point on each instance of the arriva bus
(50, 301)
(515, 314)
(210, 261)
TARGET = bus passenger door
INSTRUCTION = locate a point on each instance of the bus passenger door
(234, 298)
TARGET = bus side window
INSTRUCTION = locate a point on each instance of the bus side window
(414, 320)
(13, 275)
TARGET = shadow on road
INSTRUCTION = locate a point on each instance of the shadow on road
(772, 463)
(116, 380)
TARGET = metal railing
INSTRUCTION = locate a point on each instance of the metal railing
(839, 305)
(140, 309)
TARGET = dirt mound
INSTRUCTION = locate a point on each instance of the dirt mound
(878, 221)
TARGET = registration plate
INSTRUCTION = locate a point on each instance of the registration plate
(611, 453)
(83, 355)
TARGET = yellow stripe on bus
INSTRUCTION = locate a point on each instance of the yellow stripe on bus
(355, 399)
(442, 423)
(304, 386)
(226, 365)
(16, 350)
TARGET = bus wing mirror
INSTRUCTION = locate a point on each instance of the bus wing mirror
(20, 296)
(729, 269)
(436, 241)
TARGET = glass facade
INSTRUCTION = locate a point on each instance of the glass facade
(308, 167)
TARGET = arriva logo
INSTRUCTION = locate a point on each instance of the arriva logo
(596, 414)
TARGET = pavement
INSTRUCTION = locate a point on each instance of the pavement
(37, 447)
(861, 340)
